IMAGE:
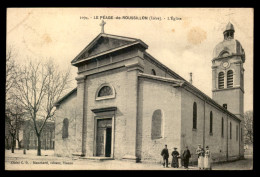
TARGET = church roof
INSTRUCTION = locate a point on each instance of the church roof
(113, 43)
(65, 97)
(163, 66)
(188, 86)
(208, 99)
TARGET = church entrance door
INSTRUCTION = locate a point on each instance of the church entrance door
(103, 138)
(108, 142)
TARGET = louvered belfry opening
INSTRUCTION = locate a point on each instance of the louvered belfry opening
(221, 80)
(229, 79)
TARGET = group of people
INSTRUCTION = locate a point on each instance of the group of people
(204, 157)
(175, 157)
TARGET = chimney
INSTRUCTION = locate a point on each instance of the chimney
(225, 106)
(191, 77)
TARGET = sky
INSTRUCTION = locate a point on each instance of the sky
(183, 39)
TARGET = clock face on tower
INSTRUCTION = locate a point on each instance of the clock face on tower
(225, 64)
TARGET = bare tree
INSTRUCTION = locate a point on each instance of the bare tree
(7, 136)
(248, 135)
(13, 111)
(11, 73)
(40, 86)
(14, 118)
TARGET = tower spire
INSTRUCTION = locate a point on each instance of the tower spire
(229, 32)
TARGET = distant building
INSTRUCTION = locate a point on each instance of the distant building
(28, 139)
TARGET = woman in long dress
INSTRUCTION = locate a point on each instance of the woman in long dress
(175, 156)
(200, 153)
(207, 159)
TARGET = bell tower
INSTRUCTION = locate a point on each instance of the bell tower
(228, 73)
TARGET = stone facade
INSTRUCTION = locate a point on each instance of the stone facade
(215, 140)
(68, 109)
(141, 110)
(158, 95)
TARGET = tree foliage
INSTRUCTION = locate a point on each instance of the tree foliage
(248, 127)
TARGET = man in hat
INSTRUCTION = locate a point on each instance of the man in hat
(200, 153)
(165, 155)
(186, 157)
(175, 156)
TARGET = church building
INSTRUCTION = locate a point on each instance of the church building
(128, 105)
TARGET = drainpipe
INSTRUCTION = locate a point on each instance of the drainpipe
(84, 121)
(227, 138)
(239, 139)
(204, 124)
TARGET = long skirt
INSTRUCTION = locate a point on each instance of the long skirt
(180, 162)
(201, 162)
(207, 163)
(175, 162)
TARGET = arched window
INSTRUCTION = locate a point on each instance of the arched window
(105, 91)
(156, 124)
(222, 127)
(211, 123)
(236, 132)
(153, 72)
(229, 79)
(230, 130)
(65, 128)
(194, 115)
(241, 134)
(221, 80)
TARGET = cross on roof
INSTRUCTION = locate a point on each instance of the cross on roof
(102, 24)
